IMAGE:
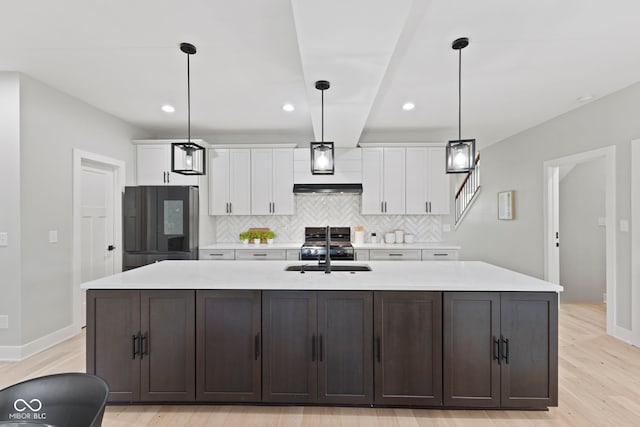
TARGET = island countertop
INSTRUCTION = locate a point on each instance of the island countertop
(385, 275)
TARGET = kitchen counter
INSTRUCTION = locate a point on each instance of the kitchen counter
(385, 275)
(297, 245)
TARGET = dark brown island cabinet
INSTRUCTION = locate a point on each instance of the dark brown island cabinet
(397, 348)
(317, 347)
(500, 349)
(142, 343)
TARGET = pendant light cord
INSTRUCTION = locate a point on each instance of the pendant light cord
(459, 95)
(188, 101)
(322, 117)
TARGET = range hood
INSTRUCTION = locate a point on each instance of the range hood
(327, 188)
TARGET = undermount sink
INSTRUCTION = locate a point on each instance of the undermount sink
(337, 267)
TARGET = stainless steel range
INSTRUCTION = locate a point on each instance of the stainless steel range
(315, 244)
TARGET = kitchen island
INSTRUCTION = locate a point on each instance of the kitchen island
(426, 334)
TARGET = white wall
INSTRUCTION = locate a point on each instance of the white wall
(39, 189)
(9, 206)
(582, 240)
(517, 164)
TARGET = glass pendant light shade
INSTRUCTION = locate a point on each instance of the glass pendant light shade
(187, 158)
(461, 155)
(322, 158)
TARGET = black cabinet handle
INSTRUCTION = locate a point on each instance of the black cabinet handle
(320, 351)
(506, 350)
(260, 254)
(110, 247)
(396, 254)
(313, 348)
(496, 349)
(144, 345)
(256, 344)
(378, 349)
(134, 349)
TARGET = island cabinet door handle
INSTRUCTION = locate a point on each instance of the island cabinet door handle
(256, 344)
(134, 349)
(378, 350)
(396, 254)
(144, 345)
(440, 254)
(320, 351)
(505, 349)
(261, 254)
(496, 349)
(313, 348)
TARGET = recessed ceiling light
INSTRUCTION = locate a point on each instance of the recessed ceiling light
(168, 108)
(585, 98)
(288, 107)
(407, 106)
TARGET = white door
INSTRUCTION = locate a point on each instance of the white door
(261, 181)
(240, 181)
(151, 164)
(394, 181)
(439, 184)
(97, 227)
(219, 182)
(372, 161)
(283, 181)
(417, 177)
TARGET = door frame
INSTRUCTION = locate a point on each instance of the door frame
(635, 242)
(551, 212)
(81, 157)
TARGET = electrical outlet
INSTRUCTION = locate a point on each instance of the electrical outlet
(4, 322)
(4, 238)
(53, 236)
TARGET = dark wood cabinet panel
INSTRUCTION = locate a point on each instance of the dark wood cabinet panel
(345, 371)
(290, 346)
(408, 342)
(113, 324)
(228, 341)
(168, 339)
(471, 349)
(529, 323)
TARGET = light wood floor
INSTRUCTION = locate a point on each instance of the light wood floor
(599, 385)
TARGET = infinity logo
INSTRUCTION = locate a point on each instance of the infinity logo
(37, 405)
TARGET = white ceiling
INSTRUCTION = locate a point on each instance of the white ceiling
(527, 61)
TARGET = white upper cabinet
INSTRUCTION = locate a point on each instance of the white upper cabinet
(427, 183)
(383, 180)
(272, 181)
(153, 166)
(229, 173)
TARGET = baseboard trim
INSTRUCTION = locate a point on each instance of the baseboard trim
(18, 353)
(623, 334)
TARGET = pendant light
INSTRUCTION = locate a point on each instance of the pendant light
(461, 153)
(188, 158)
(322, 155)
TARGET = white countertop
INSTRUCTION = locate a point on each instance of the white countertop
(385, 275)
(297, 245)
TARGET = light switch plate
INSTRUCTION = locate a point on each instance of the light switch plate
(53, 236)
(4, 322)
(624, 225)
(4, 238)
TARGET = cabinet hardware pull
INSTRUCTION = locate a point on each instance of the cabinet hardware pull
(320, 351)
(426, 206)
(506, 350)
(496, 349)
(429, 207)
(396, 254)
(134, 338)
(381, 206)
(385, 207)
(440, 254)
(230, 207)
(378, 349)
(259, 254)
(257, 346)
(168, 180)
(274, 207)
(313, 348)
(144, 345)
(216, 254)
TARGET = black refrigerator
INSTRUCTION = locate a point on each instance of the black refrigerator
(159, 222)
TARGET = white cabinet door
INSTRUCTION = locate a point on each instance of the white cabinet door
(261, 181)
(439, 183)
(417, 180)
(240, 182)
(153, 167)
(394, 181)
(229, 182)
(383, 180)
(218, 182)
(428, 190)
(372, 163)
(272, 181)
(283, 202)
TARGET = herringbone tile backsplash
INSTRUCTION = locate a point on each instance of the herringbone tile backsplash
(335, 210)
